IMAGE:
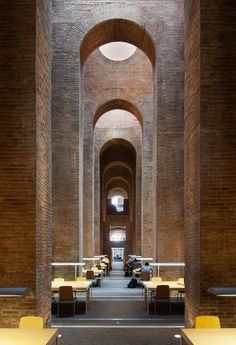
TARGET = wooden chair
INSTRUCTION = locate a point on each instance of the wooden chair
(31, 322)
(206, 321)
(56, 280)
(181, 291)
(135, 267)
(162, 295)
(145, 276)
(155, 280)
(91, 276)
(66, 298)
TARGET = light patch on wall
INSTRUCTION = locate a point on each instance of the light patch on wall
(117, 51)
(118, 119)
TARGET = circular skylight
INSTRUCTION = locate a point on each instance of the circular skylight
(117, 51)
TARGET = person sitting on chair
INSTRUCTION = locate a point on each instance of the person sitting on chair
(146, 268)
(134, 264)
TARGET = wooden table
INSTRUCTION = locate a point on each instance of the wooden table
(17, 336)
(97, 273)
(209, 336)
(151, 286)
(77, 286)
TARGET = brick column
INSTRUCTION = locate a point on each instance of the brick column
(25, 160)
(210, 194)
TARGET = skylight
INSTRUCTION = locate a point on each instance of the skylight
(117, 51)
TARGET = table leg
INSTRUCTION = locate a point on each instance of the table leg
(88, 298)
(75, 272)
(146, 300)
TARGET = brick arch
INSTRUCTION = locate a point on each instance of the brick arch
(118, 142)
(117, 171)
(117, 181)
(117, 104)
(118, 30)
(117, 190)
(117, 163)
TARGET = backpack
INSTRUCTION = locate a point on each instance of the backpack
(133, 283)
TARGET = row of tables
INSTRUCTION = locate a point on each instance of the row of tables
(48, 336)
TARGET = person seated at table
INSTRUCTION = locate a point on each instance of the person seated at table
(106, 261)
(146, 268)
(134, 264)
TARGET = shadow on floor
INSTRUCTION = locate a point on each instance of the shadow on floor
(118, 309)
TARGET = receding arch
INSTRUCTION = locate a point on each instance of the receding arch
(117, 191)
(117, 163)
(118, 142)
(114, 30)
(117, 179)
(117, 104)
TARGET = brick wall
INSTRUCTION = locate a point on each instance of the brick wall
(20, 177)
(43, 163)
(210, 158)
(218, 159)
(192, 159)
(163, 110)
(168, 139)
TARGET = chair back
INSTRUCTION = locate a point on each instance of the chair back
(207, 322)
(163, 291)
(145, 276)
(90, 275)
(81, 279)
(66, 293)
(31, 322)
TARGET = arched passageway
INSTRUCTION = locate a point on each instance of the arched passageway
(107, 87)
